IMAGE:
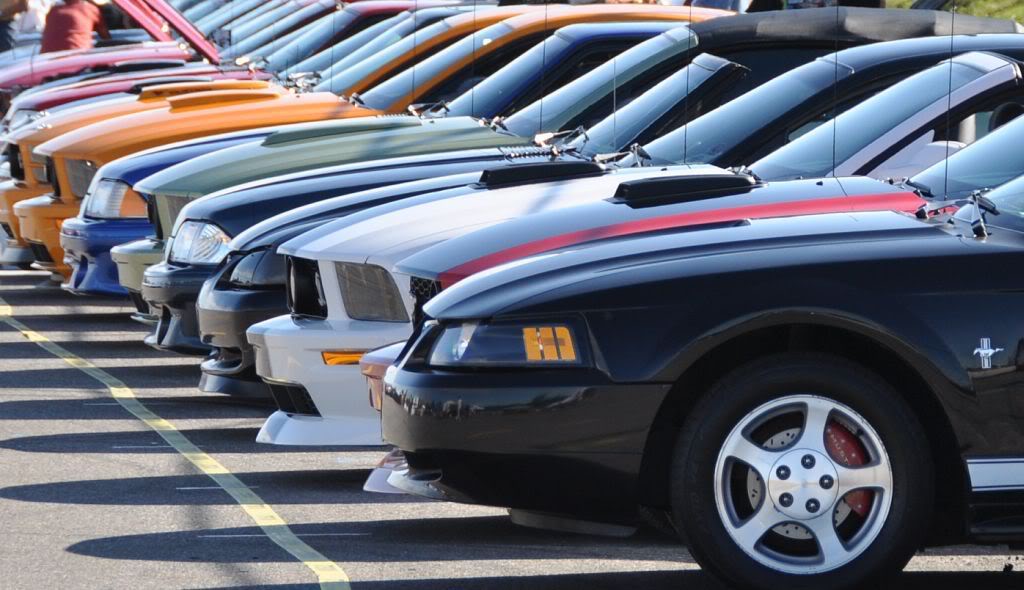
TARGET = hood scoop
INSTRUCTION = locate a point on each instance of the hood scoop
(538, 172)
(513, 153)
(679, 189)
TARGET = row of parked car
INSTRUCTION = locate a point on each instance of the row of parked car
(747, 277)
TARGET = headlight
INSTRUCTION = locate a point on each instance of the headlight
(80, 173)
(525, 344)
(113, 199)
(21, 117)
(198, 243)
(259, 269)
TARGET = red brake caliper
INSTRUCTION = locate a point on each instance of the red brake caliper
(848, 451)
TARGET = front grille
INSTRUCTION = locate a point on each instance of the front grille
(422, 291)
(305, 290)
(172, 206)
(51, 176)
(39, 252)
(293, 399)
(13, 156)
(370, 293)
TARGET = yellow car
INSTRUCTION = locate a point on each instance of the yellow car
(28, 174)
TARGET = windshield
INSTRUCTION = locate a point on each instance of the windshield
(715, 134)
(625, 126)
(385, 94)
(570, 104)
(313, 37)
(492, 94)
(323, 60)
(986, 163)
(1009, 199)
(823, 149)
(343, 79)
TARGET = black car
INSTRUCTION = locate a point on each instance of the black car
(767, 44)
(809, 399)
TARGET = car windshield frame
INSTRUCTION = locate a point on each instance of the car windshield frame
(384, 95)
(778, 98)
(554, 111)
(343, 79)
(628, 122)
(324, 60)
(987, 163)
(820, 151)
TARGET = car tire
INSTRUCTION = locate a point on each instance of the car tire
(872, 442)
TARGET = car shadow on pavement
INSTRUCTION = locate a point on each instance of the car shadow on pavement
(211, 440)
(169, 407)
(470, 538)
(336, 486)
(179, 375)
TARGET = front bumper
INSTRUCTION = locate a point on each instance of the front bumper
(40, 219)
(172, 291)
(320, 404)
(132, 260)
(87, 244)
(224, 314)
(566, 442)
(11, 193)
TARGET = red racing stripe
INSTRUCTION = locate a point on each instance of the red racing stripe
(905, 201)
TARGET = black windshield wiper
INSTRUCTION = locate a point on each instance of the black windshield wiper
(984, 203)
(924, 189)
(357, 100)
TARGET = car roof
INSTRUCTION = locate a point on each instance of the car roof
(844, 24)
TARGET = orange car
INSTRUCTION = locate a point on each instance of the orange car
(74, 157)
(28, 175)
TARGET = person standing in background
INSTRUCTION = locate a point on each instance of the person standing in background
(70, 25)
(9, 10)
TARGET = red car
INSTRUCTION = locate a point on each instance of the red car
(156, 17)
(27, 105)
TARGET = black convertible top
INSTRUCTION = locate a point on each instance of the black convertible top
(854, 26)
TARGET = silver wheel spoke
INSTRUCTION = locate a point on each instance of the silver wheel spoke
(758, 458)
(750, 531)
(831, 547)
(815, 421)
(875, 477)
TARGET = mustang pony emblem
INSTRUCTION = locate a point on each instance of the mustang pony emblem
(985, 351)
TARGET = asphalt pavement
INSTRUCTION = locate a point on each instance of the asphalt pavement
(93, 497)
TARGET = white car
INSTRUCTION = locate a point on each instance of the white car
(359, 306)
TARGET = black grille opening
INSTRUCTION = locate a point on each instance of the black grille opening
(140, 304)
(13, 157)
(293, 399)
(422, 291)
(51, 176)
(7, 229)
(39, 252)
(305, 289)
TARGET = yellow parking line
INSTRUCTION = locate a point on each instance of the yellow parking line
(329, 574)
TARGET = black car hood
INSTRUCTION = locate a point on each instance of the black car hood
(582, 279)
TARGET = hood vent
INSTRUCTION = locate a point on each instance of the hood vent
(683, 188)
(538, 172)
(512, 153)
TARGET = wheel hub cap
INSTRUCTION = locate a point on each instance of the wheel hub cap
(802, 484)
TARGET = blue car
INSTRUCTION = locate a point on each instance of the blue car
(101, 224)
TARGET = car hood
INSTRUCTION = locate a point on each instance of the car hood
(324, 144)
(548, 283)
(458, 258)
(31, 71)
(240, 207)
(196, 115)
(385, 236)
(286, 225)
